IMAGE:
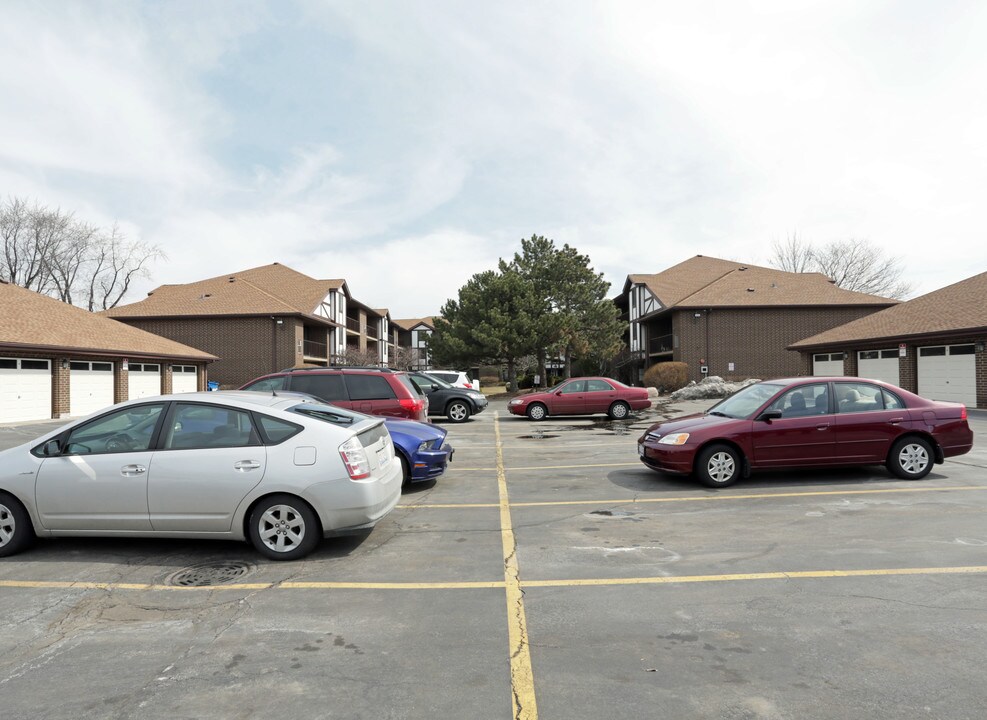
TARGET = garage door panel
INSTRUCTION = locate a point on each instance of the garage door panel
(827, 364)
(879, 365)
(90, 387)
(25, 389)
(948, 373)
(184, 379)
(144, 380)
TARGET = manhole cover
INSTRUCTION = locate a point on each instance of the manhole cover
(213, 573)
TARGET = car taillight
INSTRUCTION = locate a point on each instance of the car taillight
(412, 405)
(963, 413)
(355, 459)
(469, 386)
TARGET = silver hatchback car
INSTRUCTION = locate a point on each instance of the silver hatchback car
(283, 472)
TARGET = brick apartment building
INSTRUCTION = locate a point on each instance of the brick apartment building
(730, 319)
(264, 319)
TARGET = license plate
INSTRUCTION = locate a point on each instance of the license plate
(383, 457)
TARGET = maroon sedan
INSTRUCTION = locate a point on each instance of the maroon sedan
(582, 396)
(809, 422)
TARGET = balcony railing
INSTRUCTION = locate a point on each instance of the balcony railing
(660, 345)
(353, 323)
(313, 349)
(372, 331)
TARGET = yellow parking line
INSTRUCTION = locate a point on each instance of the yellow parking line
(556, 467)
(747, 496)
(522, 677)
(793, 575)
(698, 498)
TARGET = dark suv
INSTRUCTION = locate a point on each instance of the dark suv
(455, 403)
(375, 391)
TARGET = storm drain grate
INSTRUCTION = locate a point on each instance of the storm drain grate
(213, 573)
(537, 436)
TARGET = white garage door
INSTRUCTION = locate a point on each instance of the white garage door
(25, 390)
(948, 372)
(184, 379)
(878, 365)
(90, 387)
(827, 364)
(144, 380)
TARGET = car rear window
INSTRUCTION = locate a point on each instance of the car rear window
(327, 387)
(271, 383)
(448, 377)
(368, 387)
(406, 381)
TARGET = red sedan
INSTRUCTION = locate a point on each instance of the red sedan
(582, 396)
(809, 422)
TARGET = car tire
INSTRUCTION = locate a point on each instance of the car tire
(911, 458)
(619, 410)
(458, 411)
(718, 466)
(405, 471)
(16, 531)
(283, 527)
(537, 411)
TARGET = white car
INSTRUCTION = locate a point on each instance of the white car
(456, 378)
(281, 471)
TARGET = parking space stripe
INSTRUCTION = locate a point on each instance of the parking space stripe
(735, 577)
(522, 676)
(698, 498)
(556, 467)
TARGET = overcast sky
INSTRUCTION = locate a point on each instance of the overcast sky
(405, 146)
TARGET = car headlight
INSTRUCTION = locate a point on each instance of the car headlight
(425, 446)
(516, 401)
(674, 439)
(475, 395)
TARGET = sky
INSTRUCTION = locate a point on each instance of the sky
(407, 146)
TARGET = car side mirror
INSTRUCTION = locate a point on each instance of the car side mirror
(51, 449)
(559, 393)
(769, 415)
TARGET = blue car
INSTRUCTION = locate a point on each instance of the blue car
(422, 448)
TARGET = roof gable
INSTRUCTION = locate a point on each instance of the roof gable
(31, 320)
(954, 308)
(711, 282)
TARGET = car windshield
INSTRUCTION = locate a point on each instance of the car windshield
(745, 401)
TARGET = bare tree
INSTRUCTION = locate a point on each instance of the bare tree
(793, 254)
(852, 264)
(47, 250)
(357, 357)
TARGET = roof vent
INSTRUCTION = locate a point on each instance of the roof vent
(774, 285)
(750, 289)
(205, 295)
(742, 268)
(232, 278)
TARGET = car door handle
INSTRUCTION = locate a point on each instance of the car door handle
(822, 427)
(131, 470)
(895, 421)
(246, 465)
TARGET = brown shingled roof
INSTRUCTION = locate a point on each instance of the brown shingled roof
(953, 309)
(711, 282)
(29, 320)
(267, 290)
(409, 323)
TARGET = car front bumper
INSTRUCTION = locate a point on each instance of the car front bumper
(429, 464)
(676, 459)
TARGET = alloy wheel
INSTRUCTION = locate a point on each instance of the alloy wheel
(8, 526)
(281, 528)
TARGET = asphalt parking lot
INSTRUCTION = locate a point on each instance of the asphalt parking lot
(547, 574)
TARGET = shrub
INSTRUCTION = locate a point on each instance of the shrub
(667, 376)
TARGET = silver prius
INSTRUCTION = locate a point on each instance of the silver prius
(281, 471)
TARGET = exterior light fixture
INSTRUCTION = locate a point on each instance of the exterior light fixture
(65, 364)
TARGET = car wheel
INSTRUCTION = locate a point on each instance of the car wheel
(458, 411)
(911, 458)
(284, 527)
(16, 532)
(405, 472)
(718, 466)
(619, 410)
(537, 411)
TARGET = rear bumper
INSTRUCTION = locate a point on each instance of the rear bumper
(347, 505)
